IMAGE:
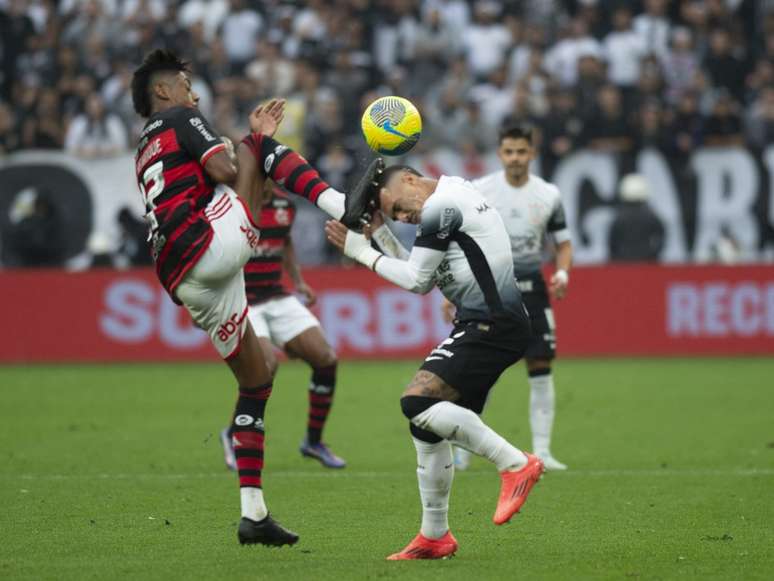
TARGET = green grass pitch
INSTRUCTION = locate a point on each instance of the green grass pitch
(116, 472)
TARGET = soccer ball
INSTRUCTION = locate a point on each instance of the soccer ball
(391, 125)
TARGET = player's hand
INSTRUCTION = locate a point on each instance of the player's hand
(336, 233)
(448, 311)
(559, 282)
(267, 118)
(310, 297)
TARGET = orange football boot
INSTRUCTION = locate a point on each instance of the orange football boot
(515, 488)
(423, 548)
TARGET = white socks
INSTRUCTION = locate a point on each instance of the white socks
(253, 506)
(332, 203)
(435, 471)
(541, 412)
(464, 428)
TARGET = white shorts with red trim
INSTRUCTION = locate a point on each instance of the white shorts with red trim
(280, 320)
(213, 291)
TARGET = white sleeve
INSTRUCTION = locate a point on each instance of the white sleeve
(389, 243)
(414, 274)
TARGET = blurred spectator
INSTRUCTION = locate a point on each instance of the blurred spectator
(760, 121)
(43, 129)
(608, 129)
(653, 27)
(486, 40)
(16, 29)
(9, 135)
(725, 69)
(239, 34)
(562, 128)
(623, 50)
(652, 129)
(96, 132)
(723, 127)
(636, 233)
(687, 124)
(681, 64)
(562, 59)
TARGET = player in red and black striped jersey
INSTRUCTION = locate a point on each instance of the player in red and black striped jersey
(203, 234)
(279, 319)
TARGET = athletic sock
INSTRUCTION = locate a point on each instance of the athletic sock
(321, 390)
(435, 471)
(288, 169)
(247, 436)
(541, 409)
(464, 428)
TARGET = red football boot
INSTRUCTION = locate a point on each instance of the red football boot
(515, 488)
(423, 548)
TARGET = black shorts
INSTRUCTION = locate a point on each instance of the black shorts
(475, 355)
(534, 293)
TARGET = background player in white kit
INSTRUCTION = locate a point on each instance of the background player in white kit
(532, 210)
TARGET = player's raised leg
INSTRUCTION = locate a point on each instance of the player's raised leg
(435, 471)
(291, 171)
(541, 411)
(312, 347)
(428, 405)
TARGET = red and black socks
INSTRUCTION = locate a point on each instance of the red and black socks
(320, 400)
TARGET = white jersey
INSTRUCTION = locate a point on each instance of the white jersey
(462, 247)
(529, 213)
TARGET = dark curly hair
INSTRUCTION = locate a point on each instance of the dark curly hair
(160, 60)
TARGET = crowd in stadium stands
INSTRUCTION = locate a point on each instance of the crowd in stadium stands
(613, 75)
(608, 74)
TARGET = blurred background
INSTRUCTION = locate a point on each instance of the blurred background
(655, 117)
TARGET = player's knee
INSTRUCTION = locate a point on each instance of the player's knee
(325, 358)
(413, 405)
(538, 367)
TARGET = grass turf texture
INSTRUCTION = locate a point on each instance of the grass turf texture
(116, 472)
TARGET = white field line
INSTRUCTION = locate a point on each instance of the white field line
(394, 474)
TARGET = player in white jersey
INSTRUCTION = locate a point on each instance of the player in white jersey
(532, 211)
(462, 247)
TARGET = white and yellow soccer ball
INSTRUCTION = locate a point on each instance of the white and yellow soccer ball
(391, 125)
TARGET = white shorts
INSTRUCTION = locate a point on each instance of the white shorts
(213, 291)
(281, 319)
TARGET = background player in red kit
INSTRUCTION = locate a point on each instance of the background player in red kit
(202, 235)
(279, 319)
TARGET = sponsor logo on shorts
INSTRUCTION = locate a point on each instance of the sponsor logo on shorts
(230, 327)
(252, 237)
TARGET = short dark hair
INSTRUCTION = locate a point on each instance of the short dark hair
(385, 176)
(159, 60)
(516, 131)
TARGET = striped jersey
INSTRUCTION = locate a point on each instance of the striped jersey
(263, 273)
(174, 146)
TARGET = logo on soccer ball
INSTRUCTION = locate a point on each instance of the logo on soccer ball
(391, 125)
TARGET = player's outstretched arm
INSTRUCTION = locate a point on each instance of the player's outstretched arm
(414, 274)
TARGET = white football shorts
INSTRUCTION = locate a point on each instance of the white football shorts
(281, 319)
(213, 291)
